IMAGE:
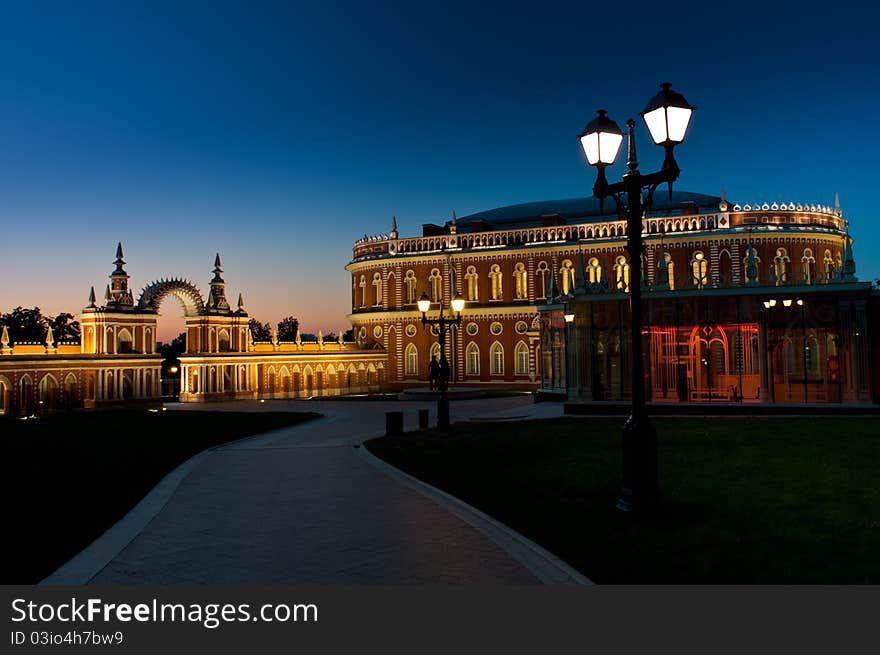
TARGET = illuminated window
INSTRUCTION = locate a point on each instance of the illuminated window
(670, 270)
(473, 287)
(621, 274)
(543, 270)
(377, 285)
(496, 359)
(436, 282)
(566, 273)
(699, 270)
(808, 263)
(496, 282)
(410, 281)
(828, 265)
(412, 360)
(780, 266)
(521, 359)
(472, 359)
(521, 281)
(594, 271)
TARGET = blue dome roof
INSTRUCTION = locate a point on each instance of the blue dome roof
(580, 210)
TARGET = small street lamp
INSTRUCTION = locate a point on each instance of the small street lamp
(443, 324)
(667, 116)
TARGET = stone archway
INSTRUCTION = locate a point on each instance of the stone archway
(185, 291)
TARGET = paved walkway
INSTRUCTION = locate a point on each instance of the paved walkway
(300, 505)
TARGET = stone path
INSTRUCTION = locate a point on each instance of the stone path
(299, 505)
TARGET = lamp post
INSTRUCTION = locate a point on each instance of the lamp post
(667, 116)
(443, 324)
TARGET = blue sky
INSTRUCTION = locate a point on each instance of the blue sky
(277, 134)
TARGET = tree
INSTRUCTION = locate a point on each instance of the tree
(260, 331)
(25, 324)
(171, 351)
(287, 329)
(65, 327)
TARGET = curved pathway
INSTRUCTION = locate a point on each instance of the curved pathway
(300, 505)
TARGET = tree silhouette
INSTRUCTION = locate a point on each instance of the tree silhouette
(30, 325)
(287, 329)
(260, 331)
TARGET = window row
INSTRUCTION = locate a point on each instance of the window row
(697, 271)
(472, 358)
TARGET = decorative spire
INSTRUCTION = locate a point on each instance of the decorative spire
(339, 339)
(580, 282)
(4, 337)
(723, 206)
(240, 302)
(837, 203)
(320, 339)
(453, 228)
(393, 227)
(217, 295)
(91, 304)
(663, 267)
(849, 263)
(107, 294)
(50, 337)
(299, 341)
(551, 287)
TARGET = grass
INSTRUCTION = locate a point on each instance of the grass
(66, 478)
(746, 500)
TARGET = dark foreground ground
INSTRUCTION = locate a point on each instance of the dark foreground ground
(66, 478)
(746, 500)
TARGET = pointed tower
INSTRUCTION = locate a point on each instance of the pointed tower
(453, 227)
(551, 288)
(5, 348)
(663, 267)
(849, 263)
(50, 341)
(217, 295)
(91, 304)
(393, 234)
(119, 294)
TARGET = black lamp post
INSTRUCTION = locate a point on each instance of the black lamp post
(667, 116)
(443, 324)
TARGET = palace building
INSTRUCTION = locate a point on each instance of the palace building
(744, 303)
(116, 359)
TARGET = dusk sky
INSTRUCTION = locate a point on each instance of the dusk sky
(279, 134)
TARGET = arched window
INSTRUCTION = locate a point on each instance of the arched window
(223, 342)
(124, 342)
(621, 273)
(473, 286)
(363, 286)
(566, 273)
(521, 281)
(377, 285)
(699, 270)
(436, 282)
(828, 266)
(495, 282)
(435, 351)
(412, 360)
(543, 270)
(594, 271)
(472, 359)
(521, 358)
(808, 263)
(496, 359)
(780, 266)
(670, 270)
(410, 281)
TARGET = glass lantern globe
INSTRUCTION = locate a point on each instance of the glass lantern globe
(424, 303)
(667, 116)
(601, 140)
(458, 303)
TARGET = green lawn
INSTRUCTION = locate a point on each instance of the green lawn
(746, 500)
(66, 478)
